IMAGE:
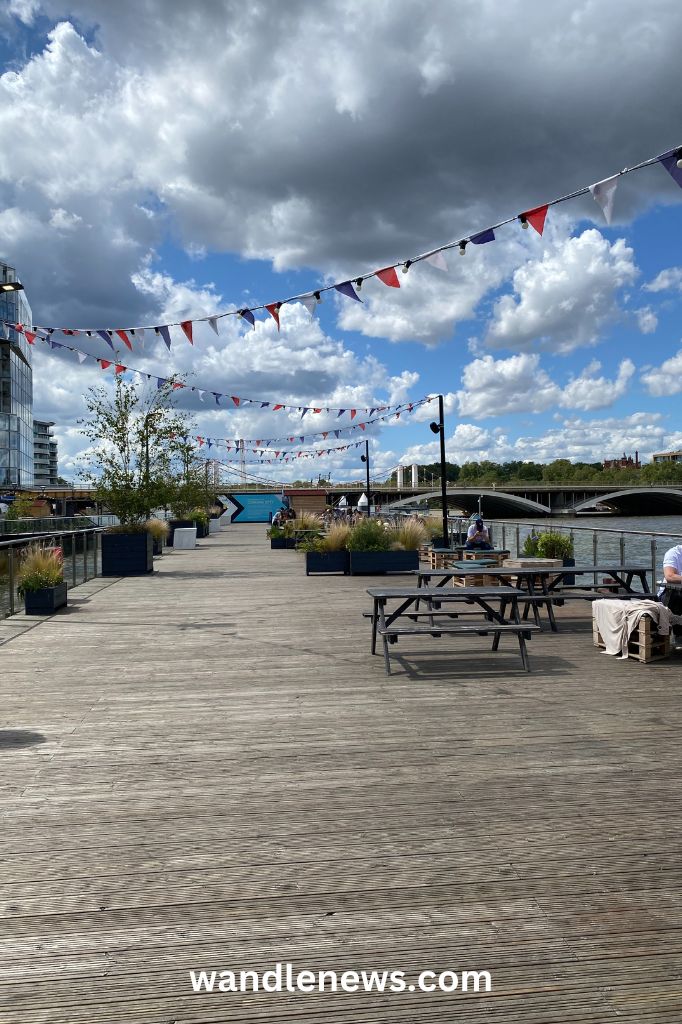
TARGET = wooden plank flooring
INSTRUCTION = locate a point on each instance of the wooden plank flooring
(206, 769)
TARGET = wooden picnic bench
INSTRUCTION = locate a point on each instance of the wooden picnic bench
(407, 620)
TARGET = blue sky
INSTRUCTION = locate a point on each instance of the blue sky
(168, 164)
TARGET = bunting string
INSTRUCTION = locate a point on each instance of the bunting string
(603, 193)
(234, 401)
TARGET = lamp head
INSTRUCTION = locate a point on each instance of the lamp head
(363, 458)
(11, 286)
(435, 427)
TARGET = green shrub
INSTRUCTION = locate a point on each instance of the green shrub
(552, 544)
(368, 535)
(530, 546)
(275, 533)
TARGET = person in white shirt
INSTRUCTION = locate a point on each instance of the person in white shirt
(670, 597)
(478, 536)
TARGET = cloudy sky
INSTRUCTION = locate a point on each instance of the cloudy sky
(164, 160)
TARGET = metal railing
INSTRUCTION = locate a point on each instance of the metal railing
(591, 544)
(81, 554)
(50, 524)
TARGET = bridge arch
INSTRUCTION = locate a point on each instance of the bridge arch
(637, 501)
(493, 503)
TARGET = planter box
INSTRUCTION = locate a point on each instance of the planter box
(202, 529)
(179, 524)
(326, 561)
(213, 526)
(127, 554)
(45, 601)
(157, 546)
(290, 543)
(374, 562)
(278, 543)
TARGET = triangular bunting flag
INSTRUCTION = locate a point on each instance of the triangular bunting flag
(247, 315)
(536, 218)
(347, 289)
(160, 381)
(341, 412)
(604, 193)
(362, 425)
(30, 337)
(82, 356)
(235, 399)
(104, 363)
(273, 310)
(216, 395)
(125, 339)
(213, 321)
(276, 407)
(187, 328)
(310, 302)
(201, 395)
(264, 405)
(484, 236)
(165, 334)
(119, 367)
(200, 440)
(389, 277)
(669, 161)
(437, 260)
(177, 384)
(106, 335)
(353, 413)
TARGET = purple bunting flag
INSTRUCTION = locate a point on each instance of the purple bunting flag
(669, 161)
(165, 334)
(247, 315)
(347, 289)
(107, 338)
(483, 236)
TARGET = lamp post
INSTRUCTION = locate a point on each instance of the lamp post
(11, 286)
(439, 428)
(365, 458)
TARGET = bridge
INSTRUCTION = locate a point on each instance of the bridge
(546, 500)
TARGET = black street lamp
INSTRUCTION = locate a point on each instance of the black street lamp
(365, 458)
(11, 286)
(439, 428)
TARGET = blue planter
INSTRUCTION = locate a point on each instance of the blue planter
(278, 543)
(374, 562)
(127, 554)
(45, 601)
(326, 561)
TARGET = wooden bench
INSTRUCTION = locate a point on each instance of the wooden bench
(522, 631)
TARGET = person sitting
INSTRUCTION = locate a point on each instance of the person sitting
(669, 596)
(478, 538)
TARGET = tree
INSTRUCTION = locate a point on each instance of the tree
(135, 438)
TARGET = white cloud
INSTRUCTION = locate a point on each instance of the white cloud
(588, 392)
(579, 440)
(647, 321)
(565, 299)
(665, 379)
(493, 387)
(666, 280)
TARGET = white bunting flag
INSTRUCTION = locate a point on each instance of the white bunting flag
(213, 320)
(437, 259)
(201, 395)
(82, 356)
(604, 192)
(310, 303)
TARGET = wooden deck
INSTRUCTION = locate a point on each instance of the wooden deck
(209, 771)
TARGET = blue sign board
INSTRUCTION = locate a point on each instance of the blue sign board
(251, 508)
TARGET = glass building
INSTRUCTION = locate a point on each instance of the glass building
(16, 389)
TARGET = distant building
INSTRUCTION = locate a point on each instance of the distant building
(44, 454)
(627, 462)
(667, 456)
(16, 387)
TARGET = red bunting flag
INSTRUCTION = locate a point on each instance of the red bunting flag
(200, 440)
(362, 425)
(273, 310)
(276, 407)
(353, 413)
(389, 277)
(235, 399)
(104, 363)
(125, 339)
(119, 367)
(317, 410)
(177, 384)
(536, 218)
(187, 328)
(19, 328)
(30, 337)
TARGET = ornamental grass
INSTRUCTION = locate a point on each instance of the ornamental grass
(40, 567)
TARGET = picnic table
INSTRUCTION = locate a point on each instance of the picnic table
(542, 587)
(490, 604)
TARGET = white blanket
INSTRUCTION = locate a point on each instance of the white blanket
(616, 621)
